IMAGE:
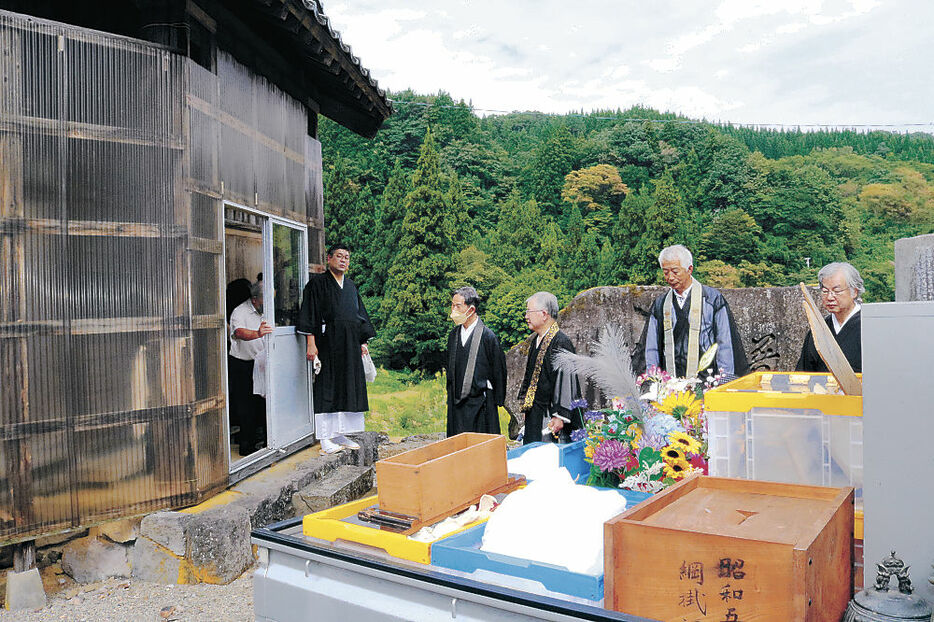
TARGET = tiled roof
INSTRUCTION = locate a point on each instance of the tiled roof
(314, 7)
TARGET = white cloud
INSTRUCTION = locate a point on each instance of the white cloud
(664, 65)
(777, 61)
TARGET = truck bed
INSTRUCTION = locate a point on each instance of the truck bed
(302, 578)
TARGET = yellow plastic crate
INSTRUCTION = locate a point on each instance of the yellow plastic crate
(784, 427)
(332, 525)
(784, 390)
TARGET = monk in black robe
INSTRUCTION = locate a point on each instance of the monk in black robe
(841, 287)
(476, 369)
(337, 327)
(714, 324)
(547, 392)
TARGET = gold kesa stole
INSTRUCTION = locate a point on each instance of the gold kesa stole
(536, 372)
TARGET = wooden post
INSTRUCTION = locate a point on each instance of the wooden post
(24, 556)
(14, 375)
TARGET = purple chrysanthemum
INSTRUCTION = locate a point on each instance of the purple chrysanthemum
(578, 434)
(611, 455)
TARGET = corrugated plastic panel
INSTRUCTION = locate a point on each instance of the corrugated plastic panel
(314, 200)
(262, 141)
(237, 147)
(205, 136)
(110, 283)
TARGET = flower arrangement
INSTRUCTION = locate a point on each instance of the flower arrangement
(655, 446)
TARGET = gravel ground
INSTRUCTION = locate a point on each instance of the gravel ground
(132, 600)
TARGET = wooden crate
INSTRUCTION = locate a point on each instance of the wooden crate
(434, 481)
(717, 549)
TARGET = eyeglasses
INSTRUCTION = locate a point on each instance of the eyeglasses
(528, 311)
(837, 292)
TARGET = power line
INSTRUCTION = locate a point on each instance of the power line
(676, 121)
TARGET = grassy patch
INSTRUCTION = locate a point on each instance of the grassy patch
(402, 404)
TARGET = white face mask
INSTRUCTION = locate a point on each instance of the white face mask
(460, 317)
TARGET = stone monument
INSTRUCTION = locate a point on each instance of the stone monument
(914, 268)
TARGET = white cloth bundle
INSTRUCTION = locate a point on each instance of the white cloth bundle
(536, 462)
(554, 521)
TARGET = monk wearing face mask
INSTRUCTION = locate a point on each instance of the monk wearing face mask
(476, 369)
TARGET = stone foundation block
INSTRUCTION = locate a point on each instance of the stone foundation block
(345, 484)
(369, 446)
(208, 547)
(122, 531)
(219, 547)
(155, 563)
(90, 559)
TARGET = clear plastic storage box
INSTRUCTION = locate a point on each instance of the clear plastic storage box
(796, 428)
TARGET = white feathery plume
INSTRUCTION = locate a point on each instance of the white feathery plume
(610, 367)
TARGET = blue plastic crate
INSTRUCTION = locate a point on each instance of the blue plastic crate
(570, 456)
(462, 552)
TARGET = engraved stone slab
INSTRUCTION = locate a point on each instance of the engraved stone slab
(914, 268)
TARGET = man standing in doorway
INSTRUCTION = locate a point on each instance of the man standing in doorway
(336, 328)
(476, 371)
(686, 321)
(547, 391)
(247, 329)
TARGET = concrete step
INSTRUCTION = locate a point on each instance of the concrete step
(344, 484)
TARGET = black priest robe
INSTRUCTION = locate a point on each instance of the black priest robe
(849, 339)
(556, 390)
(477, 411)
(336, 316)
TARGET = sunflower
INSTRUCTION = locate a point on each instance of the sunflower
(677, 470)
(685, 441)
(683, 405)
(673, 453)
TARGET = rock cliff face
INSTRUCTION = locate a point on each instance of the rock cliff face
(771, 321)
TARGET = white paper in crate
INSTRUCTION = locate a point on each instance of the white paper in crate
(554, 521)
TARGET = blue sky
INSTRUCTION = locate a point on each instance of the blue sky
(844, 62)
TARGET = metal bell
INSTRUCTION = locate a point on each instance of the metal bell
(879, 604)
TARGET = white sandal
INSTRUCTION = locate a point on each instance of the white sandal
(328, 446)
(343, 441)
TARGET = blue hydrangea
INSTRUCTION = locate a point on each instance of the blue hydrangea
(579, 434)
(662, 425)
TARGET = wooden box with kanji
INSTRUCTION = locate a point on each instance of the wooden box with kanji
(434, 481)
(731, 550)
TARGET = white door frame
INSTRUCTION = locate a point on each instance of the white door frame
(269, 312)
(259, 459)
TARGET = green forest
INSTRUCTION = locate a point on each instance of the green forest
(522, 202)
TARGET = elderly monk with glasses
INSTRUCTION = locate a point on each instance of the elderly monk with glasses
(840, 288)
